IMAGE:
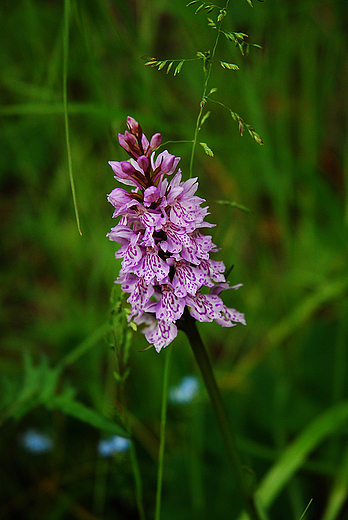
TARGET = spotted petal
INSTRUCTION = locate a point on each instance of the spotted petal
(161, 334)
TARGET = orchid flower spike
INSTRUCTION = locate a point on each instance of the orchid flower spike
(165, 257)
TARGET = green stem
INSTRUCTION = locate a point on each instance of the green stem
(162, 434)
(65, 104)
(188, 325)
(134, 460)
(133, 456)
(138, 482)
(207, 72)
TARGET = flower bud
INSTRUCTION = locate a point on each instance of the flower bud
(167, 163)
(130, 139)
(122, 170)
(156, 140)
(118, 197)
(129, 142)
(134, 126)
(127, 168)
(143, 162)
(151, 194)
(124, 144)
(145, 144)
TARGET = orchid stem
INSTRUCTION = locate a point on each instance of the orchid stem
(189, 327)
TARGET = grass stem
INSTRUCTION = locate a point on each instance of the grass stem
(207, 71)
(162, 434)
(65, 103)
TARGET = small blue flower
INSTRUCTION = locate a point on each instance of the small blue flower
(36, 442)
(115, 444)
(185, 391)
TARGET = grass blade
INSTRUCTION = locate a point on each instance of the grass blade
(338, 494)
(294, 456)
(65, 102)
(162, 434)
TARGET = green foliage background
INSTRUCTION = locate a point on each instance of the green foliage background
(284, 376)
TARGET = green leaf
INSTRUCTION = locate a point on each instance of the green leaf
(212, 91)
(199, 8)
(250, 3)
(133, 326)
(338, 493)
(204, 118)
(241, 35)
(211, 23)
(192, 3)
(297, 452)
(230, 66)
(209, 8)
(207, 150)
(83, 413)
(86, 345)
(178, 67)
(162, 64)
(39, 384)
(222, 15)
(152, 63)
(229, 36)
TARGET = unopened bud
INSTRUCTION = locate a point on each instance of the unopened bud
(129, 143)
(143, 162)
(124, 143)
(156, 140)
(167, 163)
(134, 126)
(127, 168)
(151, 194)
(130, 139)
(122, 170)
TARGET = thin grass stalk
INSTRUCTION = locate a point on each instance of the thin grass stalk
(133, 456)
(138, 482)
(123, 414)
(134, 460)
(207, 72)
(162, 433)
(100, 485)
(65, 103)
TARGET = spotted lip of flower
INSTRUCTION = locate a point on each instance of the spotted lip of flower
(165, 258)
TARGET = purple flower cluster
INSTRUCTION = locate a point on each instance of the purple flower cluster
(165, 257)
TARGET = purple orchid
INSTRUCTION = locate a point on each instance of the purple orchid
(165, 258)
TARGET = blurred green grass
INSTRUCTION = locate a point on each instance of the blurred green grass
(282, 372)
